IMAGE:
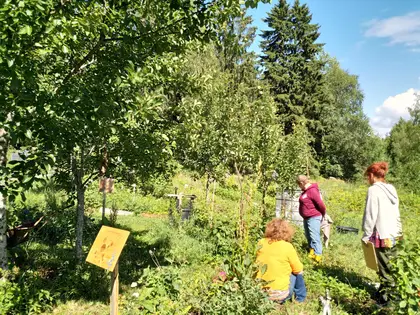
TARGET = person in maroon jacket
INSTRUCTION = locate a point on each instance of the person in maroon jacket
(312, 209)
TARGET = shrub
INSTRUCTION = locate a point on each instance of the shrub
(237, 292)
(19, 294)
(405, 273)
(159, 293)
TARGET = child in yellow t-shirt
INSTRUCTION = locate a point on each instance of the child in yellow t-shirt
(279, 263)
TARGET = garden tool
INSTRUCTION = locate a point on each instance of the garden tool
(326, 303)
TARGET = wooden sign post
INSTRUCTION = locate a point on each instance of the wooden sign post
(106, 185)
(105, 253)
(115, 288)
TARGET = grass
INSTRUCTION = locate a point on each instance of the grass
(181, 258)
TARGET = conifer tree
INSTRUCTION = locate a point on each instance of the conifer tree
(291, 59)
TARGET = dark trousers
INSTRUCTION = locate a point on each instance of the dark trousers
(383, 256)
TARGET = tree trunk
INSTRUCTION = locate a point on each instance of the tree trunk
(241, 204)
(3, 230)
(80, 221)
(212, 204)
(3, 219)
(264, 193)
(78, 174)
(207, 187)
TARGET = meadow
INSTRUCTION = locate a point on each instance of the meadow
(200, 266)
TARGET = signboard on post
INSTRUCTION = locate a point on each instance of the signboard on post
(106, 185)
(107, 247)
(104, 253)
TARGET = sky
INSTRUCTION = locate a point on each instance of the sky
(378, 40)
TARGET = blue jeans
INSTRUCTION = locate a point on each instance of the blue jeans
(313, 233)
(297, 288)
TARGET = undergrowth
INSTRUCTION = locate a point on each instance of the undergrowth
(201, 266)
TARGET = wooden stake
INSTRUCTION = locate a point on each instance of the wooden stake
(114, 291)
(103, 204)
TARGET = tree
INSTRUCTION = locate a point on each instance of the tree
(200, 132)
(72, 73)
(227, 122)
(349, 143)
(415, 111)
(234, 37)
(293, 68)
(294, 156)
(403, 148)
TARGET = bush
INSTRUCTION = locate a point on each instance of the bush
(405, 273)
(159, 293)
(237, 292)
(19, 294)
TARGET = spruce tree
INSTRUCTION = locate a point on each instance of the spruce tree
(292, 65)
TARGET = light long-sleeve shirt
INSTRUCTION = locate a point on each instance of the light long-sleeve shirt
(382, 214)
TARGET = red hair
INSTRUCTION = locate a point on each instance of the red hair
(278, 230)
(378, 169)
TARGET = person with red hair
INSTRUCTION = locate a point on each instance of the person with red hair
(382, 223)
(279, 263)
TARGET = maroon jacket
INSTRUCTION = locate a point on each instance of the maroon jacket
(310, 203)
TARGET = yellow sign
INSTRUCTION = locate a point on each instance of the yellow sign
(107, 247)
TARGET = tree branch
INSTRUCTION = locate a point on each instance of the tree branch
(88, 179)
(85, 59)
(103, 40)
(145, 34)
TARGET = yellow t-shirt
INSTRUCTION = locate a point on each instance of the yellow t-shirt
(281, 260)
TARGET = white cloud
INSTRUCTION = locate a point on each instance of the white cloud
(403, 29)
(391, 110)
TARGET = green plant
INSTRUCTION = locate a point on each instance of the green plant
(19, 295)
(159, 292)
(237, 291)
(405, 273)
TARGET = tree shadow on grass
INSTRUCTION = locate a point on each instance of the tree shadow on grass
(352, 304)
(137, 255)
(52, 266)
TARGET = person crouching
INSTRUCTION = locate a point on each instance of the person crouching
(279, 263)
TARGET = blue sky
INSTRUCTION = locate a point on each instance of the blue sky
(378, 40)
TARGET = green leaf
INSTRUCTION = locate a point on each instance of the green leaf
(25, 30)
(403, 304)
(263, 269)
(10, 62)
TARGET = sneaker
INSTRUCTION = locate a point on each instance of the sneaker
(317, 258)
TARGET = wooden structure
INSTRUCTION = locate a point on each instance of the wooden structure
(186, 211)
(20, 234)
(106, 185)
